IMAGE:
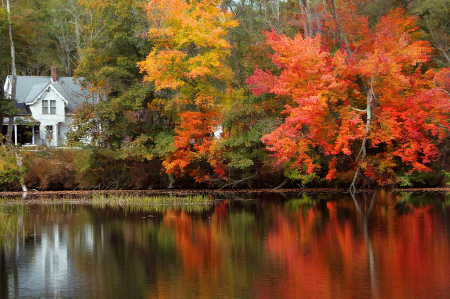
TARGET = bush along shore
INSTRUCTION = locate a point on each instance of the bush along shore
(74, 170)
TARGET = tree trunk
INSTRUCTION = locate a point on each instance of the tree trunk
(13, 74)
(13, 95)
(1, 123)
(284, 182)
(305, 8)
(438, 45)
(233, 51)
(11, 116)
(2, 95)
(371, 98)
(3, 99)
(68, 67)
(335, 15)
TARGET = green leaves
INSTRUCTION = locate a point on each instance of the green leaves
(9, 170)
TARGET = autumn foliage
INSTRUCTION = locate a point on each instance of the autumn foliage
(190, 49)
(254, 94)
(195, 143)
(368, 104)
(189, 59)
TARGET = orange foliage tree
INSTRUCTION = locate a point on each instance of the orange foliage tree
(194, 142)
(189, 61)
(364, 103)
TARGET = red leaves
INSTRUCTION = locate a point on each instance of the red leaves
(377, 95)
(195, 143)
(261, 82)
(442, 80)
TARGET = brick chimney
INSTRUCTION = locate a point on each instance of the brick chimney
(54, 80)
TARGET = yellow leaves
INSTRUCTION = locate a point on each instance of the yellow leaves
(156, 103)
(163, 68)
(205, 65)
(161, 33)
(190, 49)
(201, 23)
(233, 96)
(205, 101)
(9, 170)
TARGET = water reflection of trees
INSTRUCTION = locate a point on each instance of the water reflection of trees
(357, 247)
(11, 229)
(309, 246)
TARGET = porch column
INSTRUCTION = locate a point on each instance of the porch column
(32, 134)
(15, 134)
(55, 134)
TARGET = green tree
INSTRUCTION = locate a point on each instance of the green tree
(111, 42)
(434, 16)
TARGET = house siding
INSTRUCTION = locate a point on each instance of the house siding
(67, 93)
(56, 121)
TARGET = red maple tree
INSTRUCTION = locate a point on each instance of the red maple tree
(363, 100)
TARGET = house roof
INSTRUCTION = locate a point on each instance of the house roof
(29, 87)
(24, 109)
(34, 92)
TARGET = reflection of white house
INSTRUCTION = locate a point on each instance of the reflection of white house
(50, 101)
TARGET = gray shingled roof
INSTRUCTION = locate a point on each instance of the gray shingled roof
(28, 87)
(35, 91)
(24, 109)
(25, 84)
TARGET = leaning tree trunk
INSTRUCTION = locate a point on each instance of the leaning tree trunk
(2, 96)
(13, 74)
(13, 97)
(371, 98)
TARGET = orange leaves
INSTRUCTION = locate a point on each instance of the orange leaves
(261, 82)
(163, 68)
(306, 69)
(373, 95)
(189, 58)
(390, 49)
(190, 46)
(442, 80)
(195, 143)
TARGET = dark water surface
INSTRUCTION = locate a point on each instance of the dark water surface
(310, 246)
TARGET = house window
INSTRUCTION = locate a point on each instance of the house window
(37, 135)
(44, 106)
(52, 107)
(49, 134)
(36, 132)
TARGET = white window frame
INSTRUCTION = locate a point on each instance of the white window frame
(45, 107)
(52, 106)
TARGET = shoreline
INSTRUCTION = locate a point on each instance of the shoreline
(182, 192)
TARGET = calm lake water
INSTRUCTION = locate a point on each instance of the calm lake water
(307, 246)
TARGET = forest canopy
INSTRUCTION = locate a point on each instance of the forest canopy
(251, 93)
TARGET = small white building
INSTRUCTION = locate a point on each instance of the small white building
(47, 104)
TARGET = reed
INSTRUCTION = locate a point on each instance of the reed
(158, 209)
(152, 200)
(96, 198)
(9, 225)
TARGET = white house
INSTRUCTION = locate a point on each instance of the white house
(47, 104)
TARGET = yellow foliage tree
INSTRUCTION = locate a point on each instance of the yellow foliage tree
(190, 51)
(189, 61)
